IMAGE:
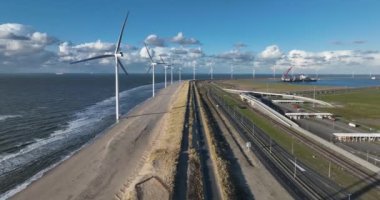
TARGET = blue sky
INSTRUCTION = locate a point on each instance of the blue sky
(312, 26)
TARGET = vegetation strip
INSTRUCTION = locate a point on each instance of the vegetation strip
(216, 151)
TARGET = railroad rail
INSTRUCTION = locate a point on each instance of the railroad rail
(263, 142)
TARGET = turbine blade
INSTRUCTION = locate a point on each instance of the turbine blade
(121, 33)
(150, 67)
(93, 58)
(122, 66)
(147, 50)
(162, 60)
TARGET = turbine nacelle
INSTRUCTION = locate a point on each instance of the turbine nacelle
(120, 54)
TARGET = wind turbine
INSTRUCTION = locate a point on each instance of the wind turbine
(211, 72)
(179, 73)
(117, 54)
(165, 68)
(153, 65)
(232, 71)
(193, 71)
(171, 74)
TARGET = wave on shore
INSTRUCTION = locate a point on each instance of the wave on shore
(61, 144)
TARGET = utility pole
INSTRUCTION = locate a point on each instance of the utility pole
(292, 145)
(314, 98)
(367, 155)
(270, 145)
(253, 129)
(295, 167)
(329, 168)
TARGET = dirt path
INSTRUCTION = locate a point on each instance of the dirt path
(259, 180)
(102, 169)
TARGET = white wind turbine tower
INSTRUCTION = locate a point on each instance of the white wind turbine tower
(212, 72)
(166, 67)
(117, 54)
(171, 74)
(153, 65)
(232, 72)
(193, 70)
(179, 73)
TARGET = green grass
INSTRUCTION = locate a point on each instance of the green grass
(304, 153)
(266, 85)
(362, 106)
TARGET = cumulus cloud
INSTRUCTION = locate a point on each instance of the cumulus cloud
(23, 47)
(359, 42)
(182, 40)
(240, 45)
(154, 40)
(18, 39)
(329, 61)
(271, 52)
(236, 56)
(69, 52)
(355, 42)
(179, 51)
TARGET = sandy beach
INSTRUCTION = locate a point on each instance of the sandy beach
(102, 169)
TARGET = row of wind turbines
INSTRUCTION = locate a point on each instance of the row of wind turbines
(118, 54)
(153, 64)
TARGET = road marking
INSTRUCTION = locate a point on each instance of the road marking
(299, 167)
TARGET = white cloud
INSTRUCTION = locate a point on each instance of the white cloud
(22, 47)
(18, 39)
(154, 40)
(69, 52)
(182, 40)
(271, 52)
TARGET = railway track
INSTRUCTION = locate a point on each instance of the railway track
(370, 179)
(336, 158)
(277, 159)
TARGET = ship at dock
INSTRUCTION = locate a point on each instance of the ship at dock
(296, 78)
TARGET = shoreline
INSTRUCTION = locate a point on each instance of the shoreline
(89, 163)
(41, 174)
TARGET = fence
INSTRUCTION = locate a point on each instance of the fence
(278, 158)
